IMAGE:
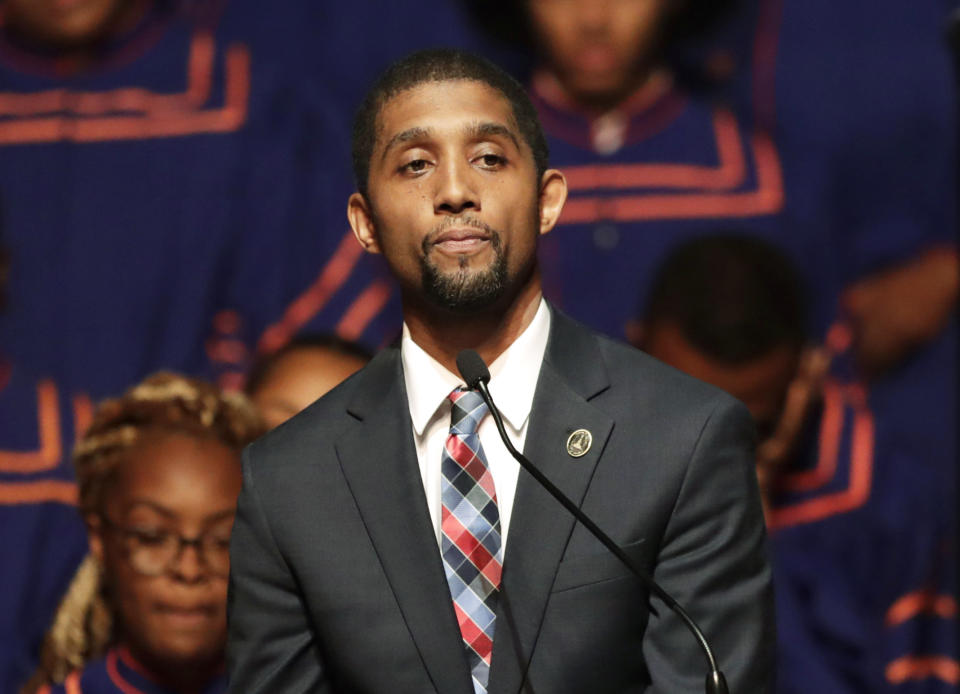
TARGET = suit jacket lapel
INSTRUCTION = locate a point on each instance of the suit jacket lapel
(571, 374)
(379, 461)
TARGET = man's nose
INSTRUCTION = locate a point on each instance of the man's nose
(456, 189)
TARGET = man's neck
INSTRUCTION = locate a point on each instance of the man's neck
(443, 335)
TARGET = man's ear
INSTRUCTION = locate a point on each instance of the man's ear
(361, 221)
(95, 536)
(553, 193)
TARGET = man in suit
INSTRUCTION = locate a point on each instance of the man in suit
(366, 560)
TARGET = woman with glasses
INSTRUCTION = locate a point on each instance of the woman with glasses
(158, 474)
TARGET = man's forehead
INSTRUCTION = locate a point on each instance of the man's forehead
(483, 106)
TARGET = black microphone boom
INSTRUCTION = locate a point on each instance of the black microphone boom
(476, 375)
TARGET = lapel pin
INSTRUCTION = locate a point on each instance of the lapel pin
(578, 443)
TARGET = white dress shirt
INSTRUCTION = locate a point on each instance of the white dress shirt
(513, 380)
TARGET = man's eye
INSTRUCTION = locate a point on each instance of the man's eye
(415, 166)
(491, 161)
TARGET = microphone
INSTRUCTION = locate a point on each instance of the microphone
(476, 375)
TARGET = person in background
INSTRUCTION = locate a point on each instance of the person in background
(159, 473)
(78, 33)
(666, 132)
(731, 311)
(863, 201)
(861, 543)
(173, 186)
(284, 383)
(42, 539)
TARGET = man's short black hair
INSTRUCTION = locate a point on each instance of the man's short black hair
(734, 297)
(441, 65)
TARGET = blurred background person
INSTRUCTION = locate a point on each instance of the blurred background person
(173, 180)
(42, 539)
(862, 545)
(159, 473)
(672, 117)
(731, 310)
(174, 187)
(288, 380)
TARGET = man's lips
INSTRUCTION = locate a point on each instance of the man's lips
(458, 241)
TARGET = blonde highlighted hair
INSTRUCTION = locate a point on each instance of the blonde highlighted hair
(82, 628)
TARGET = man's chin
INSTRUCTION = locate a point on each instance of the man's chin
(465, 290)
(466, 304)
(464, 298)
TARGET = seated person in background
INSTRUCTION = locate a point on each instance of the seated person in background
(862, 546)
(42, 538)
(730, 310)
(158, 474)
(186, 94)
(285, 382)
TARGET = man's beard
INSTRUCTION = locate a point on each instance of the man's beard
(466, 290)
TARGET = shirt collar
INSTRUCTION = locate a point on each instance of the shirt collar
(513, 375)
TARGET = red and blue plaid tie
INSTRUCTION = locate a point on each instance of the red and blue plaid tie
(470, 527)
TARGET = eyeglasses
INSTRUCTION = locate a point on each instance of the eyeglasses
(152, 552)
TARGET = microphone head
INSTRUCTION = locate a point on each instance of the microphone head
(472, 369)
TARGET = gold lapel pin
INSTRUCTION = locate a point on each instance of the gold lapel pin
(578, 443)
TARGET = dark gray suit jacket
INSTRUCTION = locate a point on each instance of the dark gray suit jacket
(337, 583)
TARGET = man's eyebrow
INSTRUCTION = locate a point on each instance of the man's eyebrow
(404, 136)
(484, 130)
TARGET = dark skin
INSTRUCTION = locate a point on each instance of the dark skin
(72, 28)
(450, 170)
(601, 51)
(173, 623)
(894, 312)
(298, 378)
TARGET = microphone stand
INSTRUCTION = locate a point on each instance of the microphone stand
(715, 681)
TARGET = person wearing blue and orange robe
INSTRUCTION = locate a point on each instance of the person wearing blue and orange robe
(862, 540)
(173, 190)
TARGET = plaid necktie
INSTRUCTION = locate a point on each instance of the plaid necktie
(470, 527)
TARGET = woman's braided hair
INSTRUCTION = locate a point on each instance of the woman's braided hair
(166, 402)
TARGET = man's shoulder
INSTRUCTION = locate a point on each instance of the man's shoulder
(634, 374)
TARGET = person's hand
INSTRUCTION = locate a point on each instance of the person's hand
(803, 393)
(896, 311)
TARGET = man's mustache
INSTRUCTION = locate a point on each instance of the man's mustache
(464, 221)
